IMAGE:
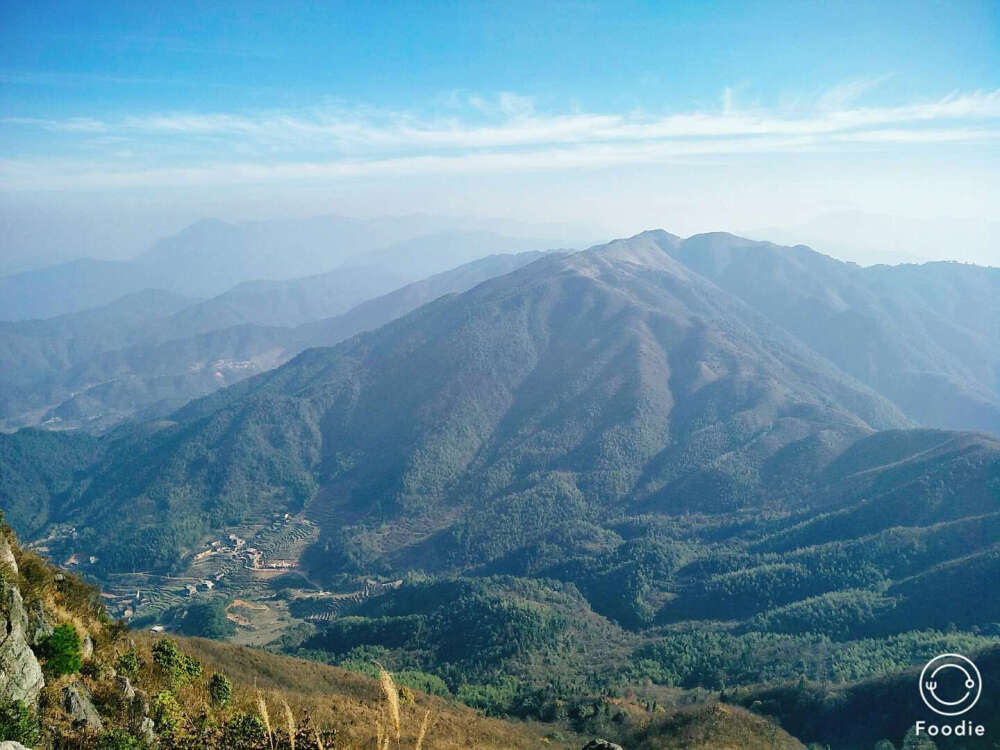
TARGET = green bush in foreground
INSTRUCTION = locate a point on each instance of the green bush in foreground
(61, 651)
(220, 690)
(17, 724)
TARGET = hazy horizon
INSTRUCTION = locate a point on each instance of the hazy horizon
(121, 127)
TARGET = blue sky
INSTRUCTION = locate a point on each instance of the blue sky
(740, 114)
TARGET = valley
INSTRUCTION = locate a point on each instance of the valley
(595, 474)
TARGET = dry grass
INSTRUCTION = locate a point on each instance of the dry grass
(391, 694)
(353, 704)
(289, 722)
(423, 730)
(266, 718)
(714, 726)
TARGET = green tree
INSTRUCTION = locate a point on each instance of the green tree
(207, 620)
(220, 690)
(129, 664)
(61, 651)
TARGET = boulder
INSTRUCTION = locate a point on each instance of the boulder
(23, 679)
(7, 555)
(77, 703)
(601, 745)
(126, 693)
(146, 731)
(39, 628)
(11, 745)
(138, 709)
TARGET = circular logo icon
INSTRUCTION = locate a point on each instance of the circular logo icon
(950, 684)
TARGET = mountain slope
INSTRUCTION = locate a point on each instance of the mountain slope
(112, 688)
(149, 353)
(552, 395)
(927, 337)
(616, 474)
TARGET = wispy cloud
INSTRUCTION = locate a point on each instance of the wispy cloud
(501, 133)
(847, 93)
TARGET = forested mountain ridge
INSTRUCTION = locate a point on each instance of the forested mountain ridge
(575, 382)
(927, 337)
(610, 468)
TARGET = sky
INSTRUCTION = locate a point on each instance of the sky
(122, 122)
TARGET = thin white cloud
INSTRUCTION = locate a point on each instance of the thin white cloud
(501, 133)
(727, 100)
(63, 174)
(519, 125)
(846, 93)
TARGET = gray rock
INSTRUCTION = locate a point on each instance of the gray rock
(138, 708)
(126, 693)
(7, 555)
(146, 731)
(77, 703)
(22, 673)
(11, 745)
(601, 745)
(39, 628)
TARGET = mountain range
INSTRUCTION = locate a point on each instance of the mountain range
(702, 463)
(211, 256)
(152, 351)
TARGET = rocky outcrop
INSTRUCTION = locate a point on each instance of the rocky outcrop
(601, 745)
(39, 626)
(124, 689)
(77, 703)
(137, 710)
(146, 731)
(11, 745)
(7, 559)
(21, 673)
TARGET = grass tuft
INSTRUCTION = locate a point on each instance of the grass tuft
(266, 718)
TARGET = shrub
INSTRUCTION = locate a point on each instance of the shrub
(244, 731)
(192, 667)
(174, 665)
(166, 712)
(61, 651)
(119, 739)
(220, 690)
(167, 657)
(129, 664)
(18, 725)
(208, 620)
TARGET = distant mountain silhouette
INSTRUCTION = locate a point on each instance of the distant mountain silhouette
(212, 256)
(152, 351)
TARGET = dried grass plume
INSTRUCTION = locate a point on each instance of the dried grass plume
(266, 718)
(391, 699)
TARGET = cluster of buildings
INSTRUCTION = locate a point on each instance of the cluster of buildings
(203, 585)
(251, 557)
